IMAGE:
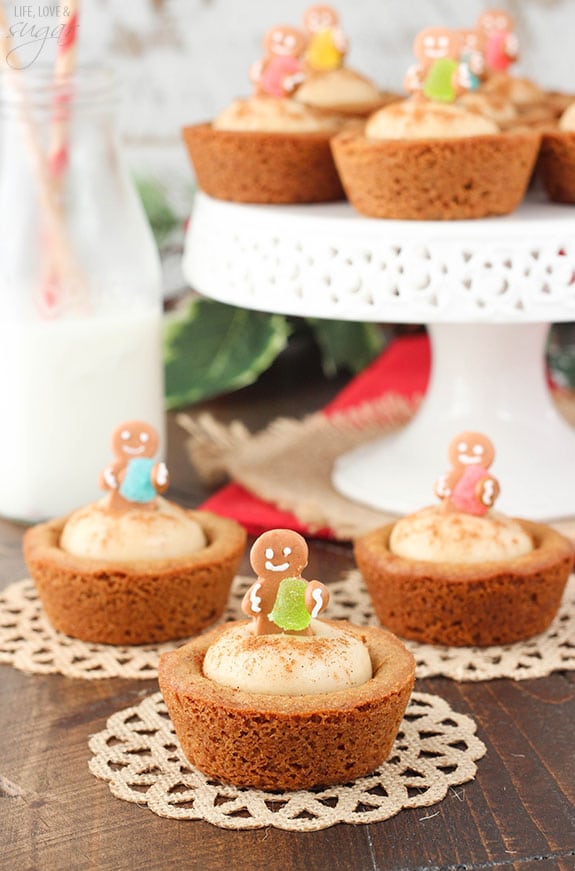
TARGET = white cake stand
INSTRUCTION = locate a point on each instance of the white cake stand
(488, 291)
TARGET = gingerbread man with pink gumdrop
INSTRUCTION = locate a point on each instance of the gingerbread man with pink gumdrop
(501, 43)
(134, 478)
(281, 71)
(469, 486)
(281, 600)
(437, 74)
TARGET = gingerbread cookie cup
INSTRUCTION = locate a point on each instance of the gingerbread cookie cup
(279, 742)
(436, 179)
(457, 604)
(140, 602)
(249, 166)
(556, 165)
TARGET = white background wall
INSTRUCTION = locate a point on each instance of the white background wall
(180, 61)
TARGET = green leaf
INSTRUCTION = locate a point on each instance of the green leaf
(561, 354)
(211, 348)
(562, 366)
(160, 214)
(346, 344)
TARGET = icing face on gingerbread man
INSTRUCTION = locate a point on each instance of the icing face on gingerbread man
(281, 600)
(468, 486)
(279, 553)
(435, 43)
(318, 18)
(284, 41)
(495, 20)
(134, 439)
(471, 40)
(134, 478)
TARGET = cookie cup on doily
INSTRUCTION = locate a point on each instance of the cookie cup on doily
(436, 179)
(142, 602)
(287, 741)
(250, 166)
(475, 604)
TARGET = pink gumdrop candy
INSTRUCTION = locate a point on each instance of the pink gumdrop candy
(275, 72)
(464, 496)
(495, 54)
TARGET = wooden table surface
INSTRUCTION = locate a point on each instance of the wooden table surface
(517, 813)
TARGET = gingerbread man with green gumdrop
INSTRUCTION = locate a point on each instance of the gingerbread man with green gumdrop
(281, 600)
(438, 74)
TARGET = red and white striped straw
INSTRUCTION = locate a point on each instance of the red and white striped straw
(61, 251)
(64, 68)
(51, 292)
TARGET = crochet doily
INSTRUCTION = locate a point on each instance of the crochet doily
(139, 755)
(29, 643)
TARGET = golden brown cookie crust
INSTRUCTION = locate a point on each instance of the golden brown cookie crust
(288, 742)
(556, 165)
(136, 603)
(261, 167)
(441, 179)
(497, 602)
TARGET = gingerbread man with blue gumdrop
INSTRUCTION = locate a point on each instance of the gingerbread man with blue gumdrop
(472, 68)
(134, 478)
(281, 600)
(469, 486)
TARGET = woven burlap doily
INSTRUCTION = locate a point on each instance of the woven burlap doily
(139, 755)
(28, 641)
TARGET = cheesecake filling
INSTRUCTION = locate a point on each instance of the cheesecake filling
(435, 535)
(328, 660)
(164, 532)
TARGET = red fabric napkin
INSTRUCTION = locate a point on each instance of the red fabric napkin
(403, 368)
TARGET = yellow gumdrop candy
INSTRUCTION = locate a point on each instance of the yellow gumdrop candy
(322, 54)
(289, 611)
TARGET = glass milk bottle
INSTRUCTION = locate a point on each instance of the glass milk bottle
(80, 294)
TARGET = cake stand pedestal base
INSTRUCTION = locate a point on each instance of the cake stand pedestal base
(486, 377)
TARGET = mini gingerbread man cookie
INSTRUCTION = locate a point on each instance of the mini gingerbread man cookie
(501, 43)
(437, 74)
(134, 478)
(327, 43)
(281, 600)
(472, 59)
(281, 71)
(468, 486)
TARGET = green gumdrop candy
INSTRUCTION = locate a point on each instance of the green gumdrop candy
(438, 84)
(289, 611)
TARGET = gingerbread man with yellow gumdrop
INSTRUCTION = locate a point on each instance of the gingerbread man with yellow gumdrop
(281, 71)
(281, 600)
(327, 43)
(469, 486)
(134, 478)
